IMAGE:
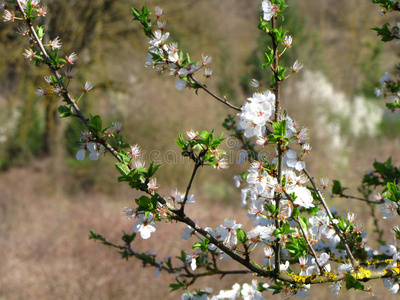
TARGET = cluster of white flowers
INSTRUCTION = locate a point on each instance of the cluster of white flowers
(95, 149)
(246, 291)
(256, 113)
(171, 59)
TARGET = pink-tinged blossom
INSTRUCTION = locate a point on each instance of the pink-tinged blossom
(23, 30)
(262, 233)
(255, 83)
(72, 58)
(88, 86)
(319, 223)
(40, 92)
(8, 16)
(172, 50)
(389, 250)
(117, 127)
(269, 252)
(180, 84)
(29, 41)
(323, 260)
(303, 261)
(378, 92)
(158, 39)
(49, 79)
(324, 182)
(221, 233)
(134, 151)
(304, 197)
(206, 60)
(287, 41)
(145, 226)
(296, 66)
(269, 10)
(222, 164)
(389, 208)
(238, 180)
(69, 73)
(161, 25)
(229, 294)
(35, 3)
(191, 258)
(58, 90)
(378, 198)
(392, 284)
(3, 4)
(189, 231)
(306, 148)
(29, 53)
(152, 185)
(351, 217)
(188, 69)
(255, 113)
(130, 213)
(55, 44)
(94, 149)
(249, 292)
(208, 72)
(42, 11)
(158, 11)
(193, 135)
(386, 78)
(336, 288)
(293, 161)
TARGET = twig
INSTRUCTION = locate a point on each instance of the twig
(337, 230)
(65, 93)
(224, 101)
(358, 198)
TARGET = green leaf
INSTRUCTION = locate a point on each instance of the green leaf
(96, 124)
(304, 222)
(279, 129)
(241, 236)
(352, 283)
(256, 265)
(295, 213)
(64, 111)
(122, 168)
(176, 286)
(384, 32)
(147, 204)
(128, 238)
(337, 188)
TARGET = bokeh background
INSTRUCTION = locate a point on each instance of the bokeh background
(49, 201)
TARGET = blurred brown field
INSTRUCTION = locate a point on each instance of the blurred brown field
(49, 202)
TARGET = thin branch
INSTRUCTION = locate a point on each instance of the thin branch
(277, 195)
(223, 100)
(65, 93)
(196, 166)
(337, 230)
(358, 198)
(321, 268)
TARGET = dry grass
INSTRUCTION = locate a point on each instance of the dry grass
(48, 208)
(46, 253)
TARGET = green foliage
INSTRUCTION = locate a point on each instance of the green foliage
(65, 111)
(352, 283)
(382, 175)
(203, 245)
(143, 18)
(297, 247)
(337, 188)
(241, 236)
